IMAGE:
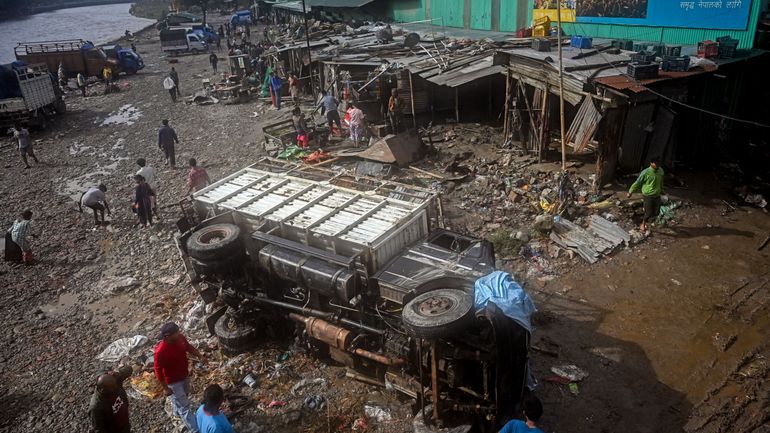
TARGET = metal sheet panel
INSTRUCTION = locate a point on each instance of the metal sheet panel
(393, 245)
(407, 10)
(481, 14)
(509, 16)
(449, 13)
(632, 146)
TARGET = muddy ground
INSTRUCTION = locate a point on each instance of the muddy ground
(673, 331)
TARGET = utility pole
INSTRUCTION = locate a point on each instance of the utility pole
(561, 87)
(309, 56)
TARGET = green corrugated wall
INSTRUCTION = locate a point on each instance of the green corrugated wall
(407, 10)
(509, 15)
(481, 14)
(515, 14)
(451, 11)
(668, 35)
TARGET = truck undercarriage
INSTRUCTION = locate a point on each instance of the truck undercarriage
(353, 269)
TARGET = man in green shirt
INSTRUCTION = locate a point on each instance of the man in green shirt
(650, 181)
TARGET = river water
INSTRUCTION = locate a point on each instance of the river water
(98, 24)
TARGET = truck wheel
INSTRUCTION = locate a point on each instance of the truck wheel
(215, 242)
(194, 51)
(221, 266)
(234, 337)
(438, 313)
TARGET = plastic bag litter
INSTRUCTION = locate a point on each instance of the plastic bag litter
(377, 413)
(570, 371)
(314, 402)
(307, 382)
(121, 347)
(420, 426)
(500, 289)
(194, 316)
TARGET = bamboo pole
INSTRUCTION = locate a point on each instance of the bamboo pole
(507, 102)
(309, 54)
(561, 88)
(411, 99)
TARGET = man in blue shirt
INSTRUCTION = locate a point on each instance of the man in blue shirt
(210, 419)
(275, 87)
(533, 410)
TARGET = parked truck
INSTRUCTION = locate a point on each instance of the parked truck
(178, 41)
(28, 95)
(129, 61)
(357, 270)
(241, 18)
(76, 55)
(203, 32)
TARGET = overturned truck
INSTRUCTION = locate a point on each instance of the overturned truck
(356, 268)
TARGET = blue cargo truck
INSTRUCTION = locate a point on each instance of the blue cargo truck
(78, 56)
(129, 61)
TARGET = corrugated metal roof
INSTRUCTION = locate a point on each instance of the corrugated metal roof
(607, 230)
(624, 82)
(291, 6)
(339, 3)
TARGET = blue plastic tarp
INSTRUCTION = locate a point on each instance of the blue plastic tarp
(500, 289)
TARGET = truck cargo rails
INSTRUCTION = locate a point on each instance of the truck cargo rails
(77, 56)
(28, 95)
(357, 270)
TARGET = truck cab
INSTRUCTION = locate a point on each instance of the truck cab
(177, 41)
(202, 31)
(196, 43)
(128, 61)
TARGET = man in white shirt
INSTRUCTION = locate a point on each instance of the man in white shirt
(148, 173)
(95, 199)
(25, 144)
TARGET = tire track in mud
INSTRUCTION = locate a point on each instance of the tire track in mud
(741, 402)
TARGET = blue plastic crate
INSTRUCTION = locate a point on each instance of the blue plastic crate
(581, 42)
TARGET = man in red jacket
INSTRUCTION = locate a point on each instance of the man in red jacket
(171, 369)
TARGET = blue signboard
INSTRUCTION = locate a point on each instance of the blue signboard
(703, 14)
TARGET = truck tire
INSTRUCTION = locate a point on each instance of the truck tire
(234, 338)
(215, 242)
(222, 266)
(194, 51)
(438, 313)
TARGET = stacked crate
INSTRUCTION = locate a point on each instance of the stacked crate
(676, 63)
(727, 47)
(708, 49)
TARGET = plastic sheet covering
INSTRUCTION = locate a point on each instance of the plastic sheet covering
(121, 347)
(500, 289)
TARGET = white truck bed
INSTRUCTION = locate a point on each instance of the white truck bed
(347, 221)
